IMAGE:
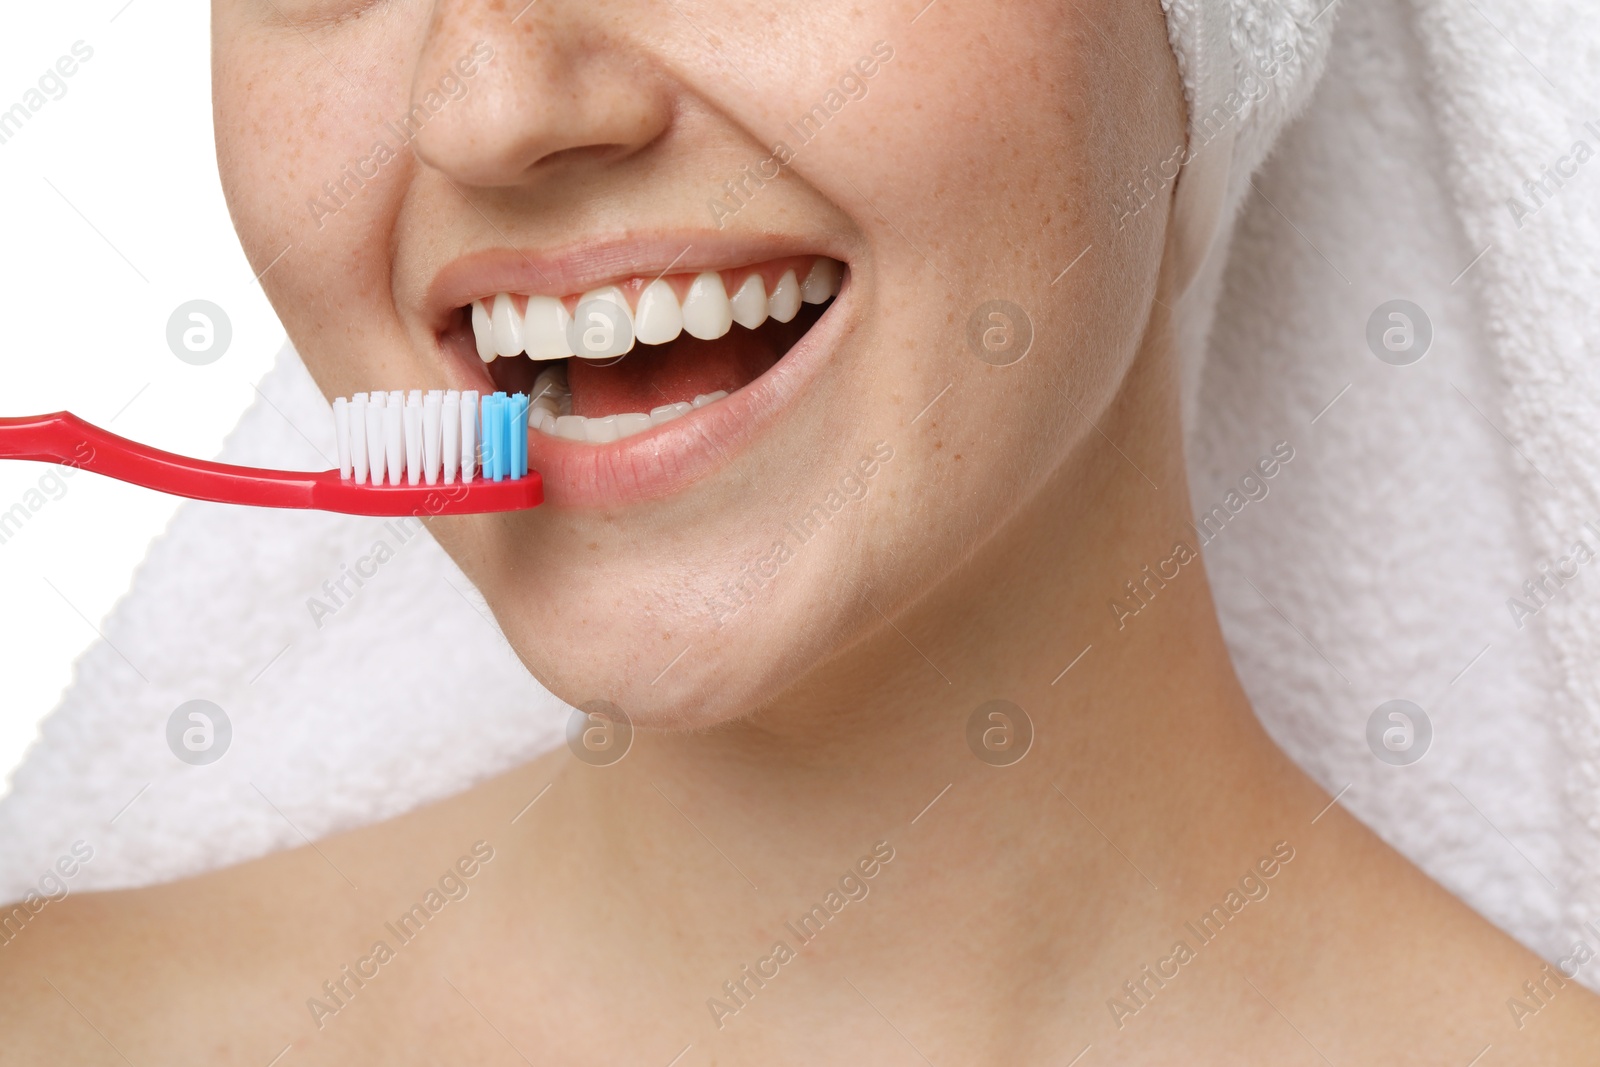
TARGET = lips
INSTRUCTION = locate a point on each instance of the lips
(644, 382)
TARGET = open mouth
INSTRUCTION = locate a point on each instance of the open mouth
(622, 359)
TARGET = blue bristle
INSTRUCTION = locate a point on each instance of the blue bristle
(502, 437)
(486, 435)
(519, 430)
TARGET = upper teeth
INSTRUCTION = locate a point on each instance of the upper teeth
(544, 328)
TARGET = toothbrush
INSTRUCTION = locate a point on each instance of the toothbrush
(400, 453)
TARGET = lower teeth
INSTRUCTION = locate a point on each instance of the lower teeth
(551, 412)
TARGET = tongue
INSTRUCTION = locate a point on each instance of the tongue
(653, 375)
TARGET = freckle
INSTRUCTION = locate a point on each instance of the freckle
(594, 546)
(938, 444)
(958, 455)
(666, 637)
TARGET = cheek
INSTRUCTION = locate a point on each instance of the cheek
(291, 132)
(991, 152)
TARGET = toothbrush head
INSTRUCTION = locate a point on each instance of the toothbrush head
(435, 438)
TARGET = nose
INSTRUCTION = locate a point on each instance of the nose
(548, 88)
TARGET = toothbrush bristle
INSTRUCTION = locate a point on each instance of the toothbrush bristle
(424, 437)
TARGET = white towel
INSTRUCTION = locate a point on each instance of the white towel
(1378, 567)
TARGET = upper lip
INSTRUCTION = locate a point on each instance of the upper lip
(581, 266)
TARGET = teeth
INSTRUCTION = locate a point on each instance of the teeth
(600, 431)
(544, 329)
(784, 303)
(483, 331)
(550, 412)
(631, 423)
(706, 311)
(658, 318)
(550, 385)
(507, 326)
(750, 303)
(822, 282)
(668, 412)
(602, 336)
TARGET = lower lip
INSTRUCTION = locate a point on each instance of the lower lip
(670, 457)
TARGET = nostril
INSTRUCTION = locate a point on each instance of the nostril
(599, 153)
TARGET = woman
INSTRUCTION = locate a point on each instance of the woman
(902, 788)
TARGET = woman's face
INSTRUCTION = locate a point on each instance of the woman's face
(410, 158)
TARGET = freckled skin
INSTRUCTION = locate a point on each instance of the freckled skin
(623, 120)
(918, 533)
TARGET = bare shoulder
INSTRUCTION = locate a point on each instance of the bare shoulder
(96, 976)
(230, 966)
(1390, 967)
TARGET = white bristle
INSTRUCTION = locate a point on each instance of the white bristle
(358, 437)
(376, 453)
(451, 431)
(394, 440)
(469, 434)
(413, 425)
(341, 432)
(431, 430)
(415, 435)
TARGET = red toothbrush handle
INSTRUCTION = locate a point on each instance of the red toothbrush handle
(65, 438)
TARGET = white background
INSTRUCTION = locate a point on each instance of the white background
(129, 152)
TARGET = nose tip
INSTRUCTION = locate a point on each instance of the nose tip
(549, 91)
